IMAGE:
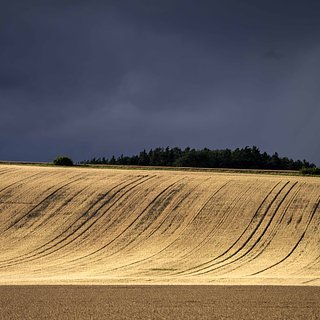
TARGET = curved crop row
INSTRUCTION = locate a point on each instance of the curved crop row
(69, 225)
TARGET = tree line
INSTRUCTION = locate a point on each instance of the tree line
(240, 158)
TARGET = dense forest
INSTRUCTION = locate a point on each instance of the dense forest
(244, 158)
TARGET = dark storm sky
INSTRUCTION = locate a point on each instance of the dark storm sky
(96, 78)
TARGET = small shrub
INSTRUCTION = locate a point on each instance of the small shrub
(310, 171)
(63, 161)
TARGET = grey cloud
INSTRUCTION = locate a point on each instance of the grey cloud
(109, 77)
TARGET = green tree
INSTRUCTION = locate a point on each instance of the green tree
(63, 161)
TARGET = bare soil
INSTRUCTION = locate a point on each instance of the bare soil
(159, 302)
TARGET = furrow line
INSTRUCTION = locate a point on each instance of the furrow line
(57, 210)
(296, 245)
(7, 171)
(170, 212)
(127, 228)
(40, 254)
(315, 261)
(91, 206)
(157, 253)
(20, 181)
(78, 219)
(188, 224)
(52, 194)
(150, 205)
(64, 203)
(193, 218)
(206, 265)
(279, 224)
(216, 227)
(245, 255)
(22, 257)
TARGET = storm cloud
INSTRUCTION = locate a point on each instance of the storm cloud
(97, 78)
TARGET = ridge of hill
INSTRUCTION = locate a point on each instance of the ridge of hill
(63, 225)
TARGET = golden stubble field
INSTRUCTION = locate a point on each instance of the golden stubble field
(81, 243)
(94, 226)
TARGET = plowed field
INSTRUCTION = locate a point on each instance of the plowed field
(95, 226)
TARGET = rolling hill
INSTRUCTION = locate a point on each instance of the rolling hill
(95, 226)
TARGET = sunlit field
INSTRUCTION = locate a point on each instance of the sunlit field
(84, 243)
(91, 226)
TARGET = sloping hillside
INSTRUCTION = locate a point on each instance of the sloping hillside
(71, 225)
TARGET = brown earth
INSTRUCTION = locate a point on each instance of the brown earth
(94, 226)
(159, 302)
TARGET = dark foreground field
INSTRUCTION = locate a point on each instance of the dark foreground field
(159, 302)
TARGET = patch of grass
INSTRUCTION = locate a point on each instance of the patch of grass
(310, 171)
(159, 168)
